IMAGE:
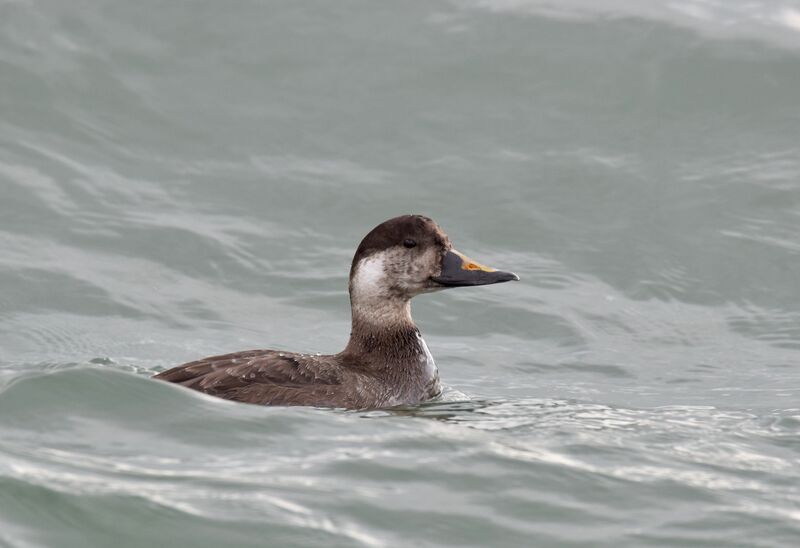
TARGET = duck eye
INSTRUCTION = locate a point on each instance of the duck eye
(409, 243)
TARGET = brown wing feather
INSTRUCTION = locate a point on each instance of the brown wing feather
(261, 376)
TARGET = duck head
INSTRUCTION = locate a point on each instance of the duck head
(406, 256)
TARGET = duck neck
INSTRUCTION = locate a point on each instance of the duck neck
(382, 329)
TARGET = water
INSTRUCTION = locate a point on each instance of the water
(185, 179)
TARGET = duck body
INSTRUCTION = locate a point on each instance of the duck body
(386, 361)
(354, 381)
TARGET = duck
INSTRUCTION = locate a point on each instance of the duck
(386, 362)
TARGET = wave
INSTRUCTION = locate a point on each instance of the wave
(773, 22)
(86, 445)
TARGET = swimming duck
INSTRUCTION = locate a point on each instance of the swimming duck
(386, 361)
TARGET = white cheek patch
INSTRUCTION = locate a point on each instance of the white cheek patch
(370, 277)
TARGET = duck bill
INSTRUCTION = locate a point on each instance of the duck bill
(458, 270)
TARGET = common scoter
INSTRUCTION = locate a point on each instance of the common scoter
(386, 362)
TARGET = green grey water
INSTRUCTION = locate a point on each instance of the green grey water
(190, 178)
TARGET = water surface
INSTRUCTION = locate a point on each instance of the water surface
(186, 179)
